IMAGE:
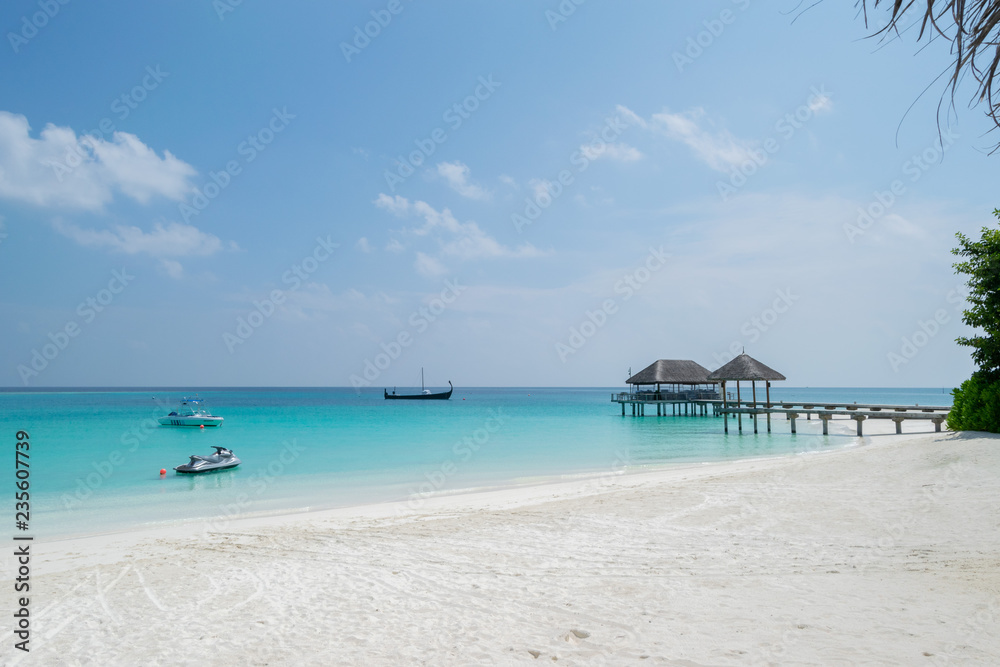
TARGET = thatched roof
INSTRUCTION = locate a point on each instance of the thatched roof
(745, 367)
(672, 371)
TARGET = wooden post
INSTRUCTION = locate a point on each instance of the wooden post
(899, 424)
(725, 406)
(791, 417)
(859, 419)
(826, 423)
(739, 404)
(768, 406)
(623, 408)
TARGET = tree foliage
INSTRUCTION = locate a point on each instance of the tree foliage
(976, 404)
(972, 27)
(982, 265)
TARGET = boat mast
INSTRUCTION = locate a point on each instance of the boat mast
(421, 379)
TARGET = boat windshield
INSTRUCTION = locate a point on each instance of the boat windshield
(192, 408)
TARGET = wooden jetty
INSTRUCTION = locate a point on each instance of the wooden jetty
(859, 413)
(689, 389)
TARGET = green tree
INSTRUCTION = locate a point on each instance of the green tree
(977, 401)
(982, 265)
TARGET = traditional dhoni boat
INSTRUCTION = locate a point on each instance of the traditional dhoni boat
(425, 394)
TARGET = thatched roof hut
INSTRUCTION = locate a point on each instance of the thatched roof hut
(745, 367)
(672, 371)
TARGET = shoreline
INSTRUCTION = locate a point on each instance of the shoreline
(884, 552)
(807, 429)
(528, 487)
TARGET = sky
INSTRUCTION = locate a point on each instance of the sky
(505, 194)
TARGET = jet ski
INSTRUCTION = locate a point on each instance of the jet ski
(222, 458)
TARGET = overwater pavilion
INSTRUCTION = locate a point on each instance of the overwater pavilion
(746, 369)
(677, 382)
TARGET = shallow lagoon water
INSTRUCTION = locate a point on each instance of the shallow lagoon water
(96, 454)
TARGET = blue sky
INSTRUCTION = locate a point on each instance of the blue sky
(209, 194)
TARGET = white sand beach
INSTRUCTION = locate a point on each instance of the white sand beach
(883, 553)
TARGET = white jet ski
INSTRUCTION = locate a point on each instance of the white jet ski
(221, 460)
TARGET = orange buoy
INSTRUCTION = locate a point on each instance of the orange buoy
(163, 471)
(202, 426)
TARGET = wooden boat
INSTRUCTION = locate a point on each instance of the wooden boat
(424, 395)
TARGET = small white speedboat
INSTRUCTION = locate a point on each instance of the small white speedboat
(192, 412)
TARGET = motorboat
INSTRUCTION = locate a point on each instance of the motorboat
(192, 412)
(221, 460)
(425, 394)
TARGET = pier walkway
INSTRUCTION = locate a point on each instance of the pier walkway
(688, 404)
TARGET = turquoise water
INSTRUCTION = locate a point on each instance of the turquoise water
(96, 454)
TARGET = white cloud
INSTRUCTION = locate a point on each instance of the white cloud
(173, 240)
(820, 103)
(463, 240)
(173, 268)
(456, 174)
(429, 267)
(61, 169)
(539, 187)
(363, 245)
(507, 180)
(631, 117)
(614, 151)
(396, 205)
(394, 246)
(719, 149)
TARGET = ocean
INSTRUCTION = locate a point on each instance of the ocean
(96, 454)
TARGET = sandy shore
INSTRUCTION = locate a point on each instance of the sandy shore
(883, 553)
